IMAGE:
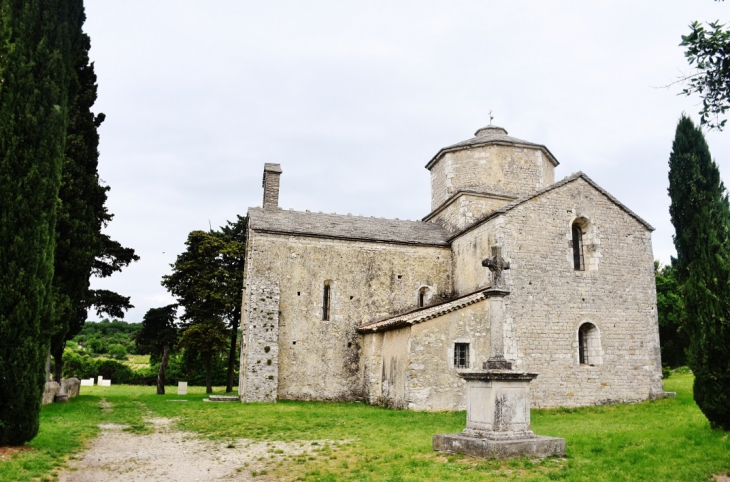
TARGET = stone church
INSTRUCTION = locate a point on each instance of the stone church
(342, 307)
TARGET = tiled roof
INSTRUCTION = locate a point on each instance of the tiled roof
(490, 136)
(423, 314)
(347, 227)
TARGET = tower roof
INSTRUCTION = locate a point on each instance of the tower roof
(491, 135)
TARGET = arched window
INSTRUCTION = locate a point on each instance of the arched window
(422, 297)
(589, 345)
(326, 301)
(578, 259)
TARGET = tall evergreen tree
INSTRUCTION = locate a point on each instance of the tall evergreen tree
(207, 280)
(159, 336)
(36, 39)
(232, 260)
(670, 308)
(81, 248)
(701, 217)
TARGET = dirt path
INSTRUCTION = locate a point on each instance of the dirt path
(170, 454)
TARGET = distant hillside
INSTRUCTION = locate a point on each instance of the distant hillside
(99, 337)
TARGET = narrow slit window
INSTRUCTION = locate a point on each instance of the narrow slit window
(581, 347)
(578, 262)
(326, 302)
(461, 355)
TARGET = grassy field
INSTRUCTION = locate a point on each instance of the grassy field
(659, 440)
(135, 362)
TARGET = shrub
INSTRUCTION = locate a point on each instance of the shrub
(118, 352)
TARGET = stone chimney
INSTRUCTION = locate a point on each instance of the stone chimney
(272, 173)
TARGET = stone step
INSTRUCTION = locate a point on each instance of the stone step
(223, 398)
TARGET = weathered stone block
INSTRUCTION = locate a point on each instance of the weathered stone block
(70, 387)
(538, 446)
(49, 392)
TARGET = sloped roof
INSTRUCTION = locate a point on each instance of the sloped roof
(422, 314)
(358, 228)
(491, 135)
(578, 175)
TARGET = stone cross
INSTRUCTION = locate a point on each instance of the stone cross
(496, 265)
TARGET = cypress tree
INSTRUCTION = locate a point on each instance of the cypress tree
(35, 69)
(701, 217)
(81, 248)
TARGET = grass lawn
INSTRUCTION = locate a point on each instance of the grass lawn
(659, 440)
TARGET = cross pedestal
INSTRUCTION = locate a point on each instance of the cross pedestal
(497, 398)
(498, 419)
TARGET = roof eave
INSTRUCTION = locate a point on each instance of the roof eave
(443, 151)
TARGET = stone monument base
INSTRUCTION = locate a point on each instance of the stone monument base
(537, 446)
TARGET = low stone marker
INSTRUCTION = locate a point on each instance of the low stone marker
(50, 391)
(105, 383)
(60, 398)
(221, 398)
(70, 387)
(182, 388)
(99, 379)
(87, 382)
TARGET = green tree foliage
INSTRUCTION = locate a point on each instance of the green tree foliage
(670, 307)
(118, 352)
(36, 39)
(108, 332)
(207, 280)
(205, 339)
(708, 51)
(81, 248)
(196, 281)
(701, 217)
(159, 336)
(232, 260)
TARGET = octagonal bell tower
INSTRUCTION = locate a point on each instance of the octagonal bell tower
(471, 178)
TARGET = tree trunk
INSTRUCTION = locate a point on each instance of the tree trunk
(161, 373)
(58, 364)
(208, 378)
(232, 357)
(48, 367)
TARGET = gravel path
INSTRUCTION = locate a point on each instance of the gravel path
(170, 454)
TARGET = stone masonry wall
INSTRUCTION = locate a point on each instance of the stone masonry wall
(320, 359)
(550, 300)
(260, 365)
(394, 368)
(432, 382)
(502, 169)
(413, 367)
(465, 210)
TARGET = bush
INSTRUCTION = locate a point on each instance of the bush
(95, 345)
(118, 352)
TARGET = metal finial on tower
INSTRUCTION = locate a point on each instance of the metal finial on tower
(490, 117)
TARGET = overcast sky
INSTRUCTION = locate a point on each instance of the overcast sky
(353, 98)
